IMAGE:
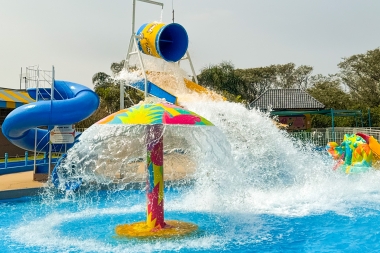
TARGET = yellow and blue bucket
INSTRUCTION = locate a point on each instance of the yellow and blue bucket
(168, 42)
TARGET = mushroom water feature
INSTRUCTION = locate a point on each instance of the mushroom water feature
(238, 184)
(168, 43)
(154, 116)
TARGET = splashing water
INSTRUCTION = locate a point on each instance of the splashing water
(252, 186)
(245, 183)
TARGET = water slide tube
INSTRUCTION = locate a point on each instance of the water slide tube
(72, 103)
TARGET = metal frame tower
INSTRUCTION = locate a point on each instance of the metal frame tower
(133, 49)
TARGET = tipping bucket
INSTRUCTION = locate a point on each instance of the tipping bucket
(168, 42)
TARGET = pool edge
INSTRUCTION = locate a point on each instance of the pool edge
(19, 193)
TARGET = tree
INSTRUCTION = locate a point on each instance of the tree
(99, 114)
(223, 79)
(361, 73)
(328, 90)
(256, 81)
(117, 67)
(248, 84)
(284, 75)
(108, 89)
(302, 75)
(288, 76)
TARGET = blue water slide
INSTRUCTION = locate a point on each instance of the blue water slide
(72, 103)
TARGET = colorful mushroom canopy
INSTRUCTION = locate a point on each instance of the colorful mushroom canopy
(152, 114)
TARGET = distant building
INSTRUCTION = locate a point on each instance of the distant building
(9, 100)
(282, 100)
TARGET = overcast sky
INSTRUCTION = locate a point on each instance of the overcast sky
(83, 37)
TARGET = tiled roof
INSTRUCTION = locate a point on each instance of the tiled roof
(10, 98)
(281, 99)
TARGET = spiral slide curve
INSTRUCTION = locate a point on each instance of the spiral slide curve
(72, 103)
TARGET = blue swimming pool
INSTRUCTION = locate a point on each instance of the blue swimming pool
(87, 224)
(253, 189)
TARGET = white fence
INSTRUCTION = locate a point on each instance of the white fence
(321, 136)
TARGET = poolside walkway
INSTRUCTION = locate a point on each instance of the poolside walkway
(16, 181)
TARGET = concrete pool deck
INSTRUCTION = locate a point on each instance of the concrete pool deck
(16, 181)
(18, 185)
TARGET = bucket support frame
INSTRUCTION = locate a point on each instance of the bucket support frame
(133, 49)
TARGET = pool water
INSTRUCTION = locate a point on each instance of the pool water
(253, 189)
(87, 225)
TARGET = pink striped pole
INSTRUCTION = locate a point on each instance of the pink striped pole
(155, 177)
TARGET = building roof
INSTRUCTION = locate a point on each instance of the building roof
(286, 99)
(10, 98)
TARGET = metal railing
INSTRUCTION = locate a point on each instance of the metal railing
(43, 83)
(80, 129)
(317, 136)
(321, 136)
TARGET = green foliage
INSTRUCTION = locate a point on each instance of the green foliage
(257, 80)
(99, 114)
(109, 94)
(328, 91)
(374, 115)
(108, 89)
(288, 76)
(248, 84)
(223, 79)
(361, 73)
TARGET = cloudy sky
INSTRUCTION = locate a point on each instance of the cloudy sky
(83, 37)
